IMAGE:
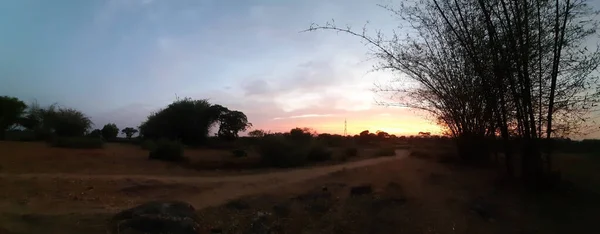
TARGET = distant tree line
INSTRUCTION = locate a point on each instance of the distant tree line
(185, 120)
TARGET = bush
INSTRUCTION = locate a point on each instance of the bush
(110, 131)
(420, 154)
(77, 142)
(319, 153)
(148, 145)
(351, 152)
(277, 151)
(239, 153)
(19, 135)
(167, 150)
(385, 152)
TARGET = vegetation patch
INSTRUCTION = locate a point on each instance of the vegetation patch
(277, 151)
(77, 142)
(319, 153)
(387, 151)
(420, 154)
(239, 153)
(349, 153)
(167, 150)
(148, 144)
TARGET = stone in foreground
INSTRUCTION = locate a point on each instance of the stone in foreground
(174, 217)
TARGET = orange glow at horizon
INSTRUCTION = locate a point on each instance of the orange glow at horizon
(393, 121)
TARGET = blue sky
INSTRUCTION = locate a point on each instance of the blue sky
(118, 60)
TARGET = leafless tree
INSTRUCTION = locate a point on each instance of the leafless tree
(510, 68)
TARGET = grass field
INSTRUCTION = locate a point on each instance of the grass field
(50, 190)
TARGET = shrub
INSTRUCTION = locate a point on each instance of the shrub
(351, 152)
(110, 131)
(239, 153)
(148, 145)
(276, 151)
(420, 154)
(447, 158)
(318, 153)
(19, 135)
(77, 142)
(167, 150)
(385, 152)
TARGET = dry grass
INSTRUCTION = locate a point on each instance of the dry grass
(114, 158)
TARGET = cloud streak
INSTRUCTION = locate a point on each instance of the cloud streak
(303, 116)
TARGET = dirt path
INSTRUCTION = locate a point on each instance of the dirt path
(229, 187)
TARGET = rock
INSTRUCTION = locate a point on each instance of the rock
(361, 190)
(156, 217)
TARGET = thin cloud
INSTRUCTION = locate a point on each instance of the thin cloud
(303, 116)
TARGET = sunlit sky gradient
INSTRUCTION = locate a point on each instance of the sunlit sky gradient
(118, 60)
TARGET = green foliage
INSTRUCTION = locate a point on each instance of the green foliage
(385, 151)
(38, 120)
(54, 120)
(333, 140)
(301, 135)
(190, 120)
(129, 131)
(348, 153)
(230, 122)
(257, 133)
(293, 149)
(148, 144)
(96, 133)
(68, 122)
(420, 154)
(11, 111)
(167, 150)
(185, 119)
(239, 153)
(110, 131)
(351, 152)
(365, 137)
(19, 135)
(319, 152)
(278, 151)
(77, 142)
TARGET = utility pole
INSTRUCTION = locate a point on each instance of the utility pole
(345, 128)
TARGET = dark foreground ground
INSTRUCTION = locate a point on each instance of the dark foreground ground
(403, 195)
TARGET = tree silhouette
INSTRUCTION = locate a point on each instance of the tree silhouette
(483, 69)
(95, 133)
(110, 131)
(129, 131)
(190, 120)
(257, 133)
(11, 111)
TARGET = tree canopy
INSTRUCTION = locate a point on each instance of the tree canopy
(110, 131)
(129, 131)
(190, 121)
(11, 111)
(54, 120)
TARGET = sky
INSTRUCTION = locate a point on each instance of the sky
(120, 60)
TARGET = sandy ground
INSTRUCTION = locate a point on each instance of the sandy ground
(410, 195)
(200, 191)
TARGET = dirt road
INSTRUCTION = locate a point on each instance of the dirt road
(227, 187)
